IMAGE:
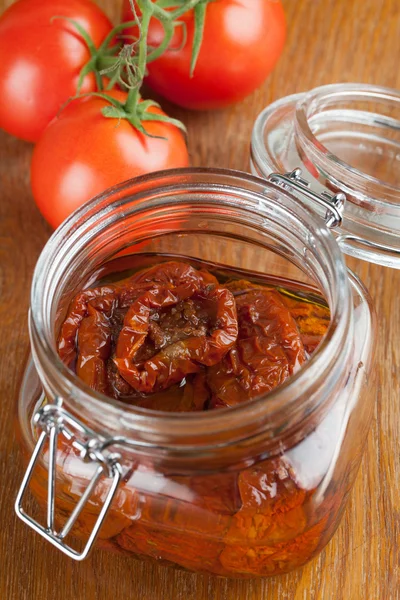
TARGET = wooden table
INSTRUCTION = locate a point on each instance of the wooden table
(329, 41)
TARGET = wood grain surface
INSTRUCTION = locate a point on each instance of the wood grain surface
(328, 41)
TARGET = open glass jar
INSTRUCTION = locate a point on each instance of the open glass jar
(254, 490)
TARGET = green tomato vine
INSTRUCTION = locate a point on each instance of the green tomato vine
(125, 63)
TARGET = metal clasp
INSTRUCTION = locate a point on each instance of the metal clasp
(334, 204)
(55, 421)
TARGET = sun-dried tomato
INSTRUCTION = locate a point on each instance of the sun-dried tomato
(94, 343)
(78, 310)
(191, 397)
(267, 351)
(205, 344)
(175, 274)
(264, 559)
(157, 327)
(312, 319)
(174, 338)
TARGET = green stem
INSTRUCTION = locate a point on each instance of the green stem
(184, 34)
(199, 22)
(146, 8)
(147, 13)
(99, 81)
(175, 14)
(168, 33)
(132, 100)
(115, 32)
(166, 3)
(112, 81)
(105, 63)
(161, 14)
(106, 97)
(86, 69)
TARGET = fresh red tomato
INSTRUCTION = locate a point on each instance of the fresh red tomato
(242, 42)
(81, 153)
(41, 59)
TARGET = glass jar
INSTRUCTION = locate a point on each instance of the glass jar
(254, 490)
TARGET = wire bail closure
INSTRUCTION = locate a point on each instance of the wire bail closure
(55, 421)
(334, 204)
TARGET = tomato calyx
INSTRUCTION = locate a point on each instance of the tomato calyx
(136, 112)
(100, 58)
(128, 69)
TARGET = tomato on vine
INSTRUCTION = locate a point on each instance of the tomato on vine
(62, 61)
(42, 57)
(94, 143)
(219, 52)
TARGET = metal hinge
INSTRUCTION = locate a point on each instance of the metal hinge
(334, 204)
(54, 421)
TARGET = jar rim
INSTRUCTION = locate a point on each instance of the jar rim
(86, 221)
(318, 97)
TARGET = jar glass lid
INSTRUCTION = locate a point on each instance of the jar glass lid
(345, 138)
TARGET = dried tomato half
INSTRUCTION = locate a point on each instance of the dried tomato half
(149, 332)
(267, 351)
(174, 273)
(210, 331)
(312, 320)
(171, 327)
(78, 310)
